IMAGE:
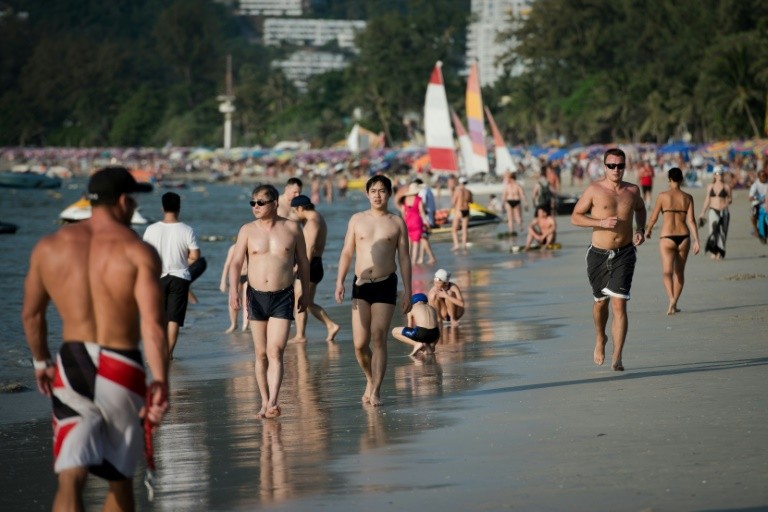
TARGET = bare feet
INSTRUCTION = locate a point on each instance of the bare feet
(417, 349)
(671, 310)
(261, 414)
(230, 329)
(298, 339)
(367, 393)
(617, 366)
(599, 355)
(454, 248)
(273, 412)
(375, 400)
(432, 261)
(332, 332)
(245, 327)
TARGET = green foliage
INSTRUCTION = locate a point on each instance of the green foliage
(643, 70)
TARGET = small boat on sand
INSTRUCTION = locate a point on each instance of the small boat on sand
(481, 220)
(81, 210)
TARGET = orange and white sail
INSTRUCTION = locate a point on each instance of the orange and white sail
(474, 106)
(437, 125)
(504, 161)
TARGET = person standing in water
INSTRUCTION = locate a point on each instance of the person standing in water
(273, 245)
(315, 232)
(378, 240)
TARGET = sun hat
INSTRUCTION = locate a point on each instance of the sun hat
(442, 275)
(418, 297)
(413, 189)
(110, 183)
(463, 180)
(300, 200)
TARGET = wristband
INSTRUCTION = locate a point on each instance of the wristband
(42, 365)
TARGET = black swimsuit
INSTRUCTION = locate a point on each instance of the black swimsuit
(678, 239)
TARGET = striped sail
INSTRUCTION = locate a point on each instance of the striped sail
(465, 145)
(504, 161)
(474, 106)
(437, 125)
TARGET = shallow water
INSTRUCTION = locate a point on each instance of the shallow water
(212, 454)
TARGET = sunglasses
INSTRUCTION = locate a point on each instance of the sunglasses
(614, 166)
(260, 202)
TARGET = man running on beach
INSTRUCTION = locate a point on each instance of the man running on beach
(607, 206)
(273, 244)
(378, 240)
(315, 232)
(105, 284)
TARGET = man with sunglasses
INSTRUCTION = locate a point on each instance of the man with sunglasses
(272, 244)
(608, 206)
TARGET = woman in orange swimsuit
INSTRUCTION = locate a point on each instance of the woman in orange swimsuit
(677, 229)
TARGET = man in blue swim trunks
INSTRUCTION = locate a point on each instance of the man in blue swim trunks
(423, 329)
(607, 206)
(378, 240)
(273, 245)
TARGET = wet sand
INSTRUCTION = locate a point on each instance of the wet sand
(511, 414)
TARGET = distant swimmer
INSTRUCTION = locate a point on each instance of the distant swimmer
(378, 240)
(607, 206)
(423, 328)
(273, 245)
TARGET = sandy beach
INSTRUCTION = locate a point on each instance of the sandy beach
(511, 414)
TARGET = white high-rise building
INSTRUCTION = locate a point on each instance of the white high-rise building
(311, 32)
(491, 17)
(271, 7)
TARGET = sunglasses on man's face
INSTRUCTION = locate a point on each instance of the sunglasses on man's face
(260, 202)
(614, 166)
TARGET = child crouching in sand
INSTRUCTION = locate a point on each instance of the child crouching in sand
(423, 330)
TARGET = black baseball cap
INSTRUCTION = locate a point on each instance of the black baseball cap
(109, 183)
(300, 200)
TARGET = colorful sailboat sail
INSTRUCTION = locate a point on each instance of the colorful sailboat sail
(474, 106)
(504, 162)
(465, 145)
(437, 125)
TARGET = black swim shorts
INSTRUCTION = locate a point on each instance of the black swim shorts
(265, 305)
(610, 271)
(384, 291)
(316, 272)
(421, 334)
(176, 292)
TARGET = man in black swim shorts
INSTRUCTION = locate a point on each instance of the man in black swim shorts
(315, 232)
(378, 240)
(273, 244)
(608, 206)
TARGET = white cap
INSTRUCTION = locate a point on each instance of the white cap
(442, 275)
(463, 180)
